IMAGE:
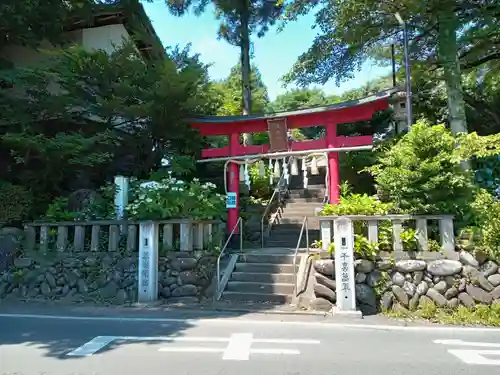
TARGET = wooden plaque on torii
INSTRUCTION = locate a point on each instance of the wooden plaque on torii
(278, 135)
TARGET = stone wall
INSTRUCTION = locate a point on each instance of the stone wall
(100, 277)
(407, 284)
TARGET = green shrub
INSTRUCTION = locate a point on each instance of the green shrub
(173, 198)
(15, 203)
(421, 173)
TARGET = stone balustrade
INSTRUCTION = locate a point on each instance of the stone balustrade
(110, 235)
(446, 232)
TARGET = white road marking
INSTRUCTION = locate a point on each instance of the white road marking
(89, 348)
(274, 351)
(235, 349)
(468, 343)
(476, 357)
(240, 321)
(190, 349)
(238, 348)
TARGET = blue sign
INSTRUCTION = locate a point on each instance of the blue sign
(231, 200)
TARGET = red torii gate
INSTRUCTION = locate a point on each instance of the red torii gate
(329, 116)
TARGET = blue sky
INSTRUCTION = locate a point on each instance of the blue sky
(274, 54)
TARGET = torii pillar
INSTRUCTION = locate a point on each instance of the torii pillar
(333, 163)
(233, 182)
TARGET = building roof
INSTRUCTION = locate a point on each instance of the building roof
(130, 14)
(326, 108)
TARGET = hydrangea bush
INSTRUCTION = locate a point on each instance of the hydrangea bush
(174, 198)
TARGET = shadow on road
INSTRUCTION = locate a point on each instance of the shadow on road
(56, 329)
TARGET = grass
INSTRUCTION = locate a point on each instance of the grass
(480, 315)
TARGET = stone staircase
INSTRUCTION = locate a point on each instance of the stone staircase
(263, 275)
(299, 203)
(266, 276)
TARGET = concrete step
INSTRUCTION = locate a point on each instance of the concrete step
(307, 193)
(285, 278)
(256, 287)
(256, 297)
(294, 212)
(266, 258)
(302, 205)
(264, 267)
(297, 220)
(310, 200)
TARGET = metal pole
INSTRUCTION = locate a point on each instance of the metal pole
(393, 56)
(409, 111)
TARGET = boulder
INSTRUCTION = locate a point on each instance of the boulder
(422, 288)
(23, 262)
(185, 291)
(489, 268)
(373, 278)
(360, 278)
(386, 301)
(365, 295)
(364, 265)
(453, 303)
(398, 279)
(478, 294)
(409, 288)
(184, 264)
(410, 265)
(9, 248)
(414, 302)
(188, 277)
(495, 293)
(468, 259)
(400, 295)
(444, 267)
(418, 277)
(451, 293)
(325, 267)
(384, 265)
(441, 287)
(436, 297)
(462, 284)
(477, 278)
(494, 279)
(325, 292)
(121, 297)
(326, 281)
(466, 300)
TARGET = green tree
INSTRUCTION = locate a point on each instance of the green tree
(89, 116)
(439, 32)
(239, 19)
(230, 94)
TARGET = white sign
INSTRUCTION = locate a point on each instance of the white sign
(474, 356)
(121, 196)
(148, 262)
(343, 236)
(238, 345)
(231, 200)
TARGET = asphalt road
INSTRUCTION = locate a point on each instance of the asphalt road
(176, 343)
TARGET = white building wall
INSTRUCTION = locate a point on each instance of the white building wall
(106, 38)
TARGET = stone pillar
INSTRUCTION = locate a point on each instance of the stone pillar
(343, 236)
(398, 105)
(148, 262)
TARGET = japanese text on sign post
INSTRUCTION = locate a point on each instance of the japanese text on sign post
(344, 264)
